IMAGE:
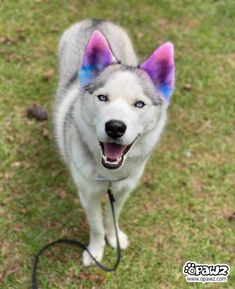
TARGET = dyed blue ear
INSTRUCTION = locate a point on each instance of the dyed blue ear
(97, 56)
(160, 68)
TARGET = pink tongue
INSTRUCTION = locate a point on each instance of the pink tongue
(113, 150)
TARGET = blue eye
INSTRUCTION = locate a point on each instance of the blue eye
(102, 97)
(139, 104)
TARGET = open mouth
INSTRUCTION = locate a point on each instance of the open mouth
(113, 154)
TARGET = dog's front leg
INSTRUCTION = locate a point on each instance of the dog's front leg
(120, 199)
(92, 207)
(121, 191)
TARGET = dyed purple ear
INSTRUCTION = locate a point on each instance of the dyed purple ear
(160, 67)
(97, 56)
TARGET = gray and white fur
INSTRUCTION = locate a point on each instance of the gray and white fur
(81, 114)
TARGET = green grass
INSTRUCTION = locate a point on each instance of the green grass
(181, 209)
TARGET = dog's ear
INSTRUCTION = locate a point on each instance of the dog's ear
(97, 56)
(160, 68)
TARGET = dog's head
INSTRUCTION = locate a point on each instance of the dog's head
(124, 101)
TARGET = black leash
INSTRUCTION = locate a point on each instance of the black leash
(81, 245)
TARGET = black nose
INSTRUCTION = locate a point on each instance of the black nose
(115, 128)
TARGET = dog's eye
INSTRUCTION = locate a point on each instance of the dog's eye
(102, 97)
(139, 104)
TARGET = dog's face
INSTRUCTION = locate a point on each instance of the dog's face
(124, 102)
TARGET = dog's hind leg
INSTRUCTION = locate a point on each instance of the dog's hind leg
(92, 207)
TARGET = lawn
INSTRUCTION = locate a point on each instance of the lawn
(184, 207)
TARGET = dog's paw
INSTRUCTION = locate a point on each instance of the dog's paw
(96, 252)
(123, 240)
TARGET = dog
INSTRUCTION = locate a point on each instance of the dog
(109, 113)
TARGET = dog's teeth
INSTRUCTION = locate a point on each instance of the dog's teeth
(105, 158)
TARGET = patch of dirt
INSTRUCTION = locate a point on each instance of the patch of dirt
(48, 75)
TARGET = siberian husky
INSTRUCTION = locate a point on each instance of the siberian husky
(109, 113)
